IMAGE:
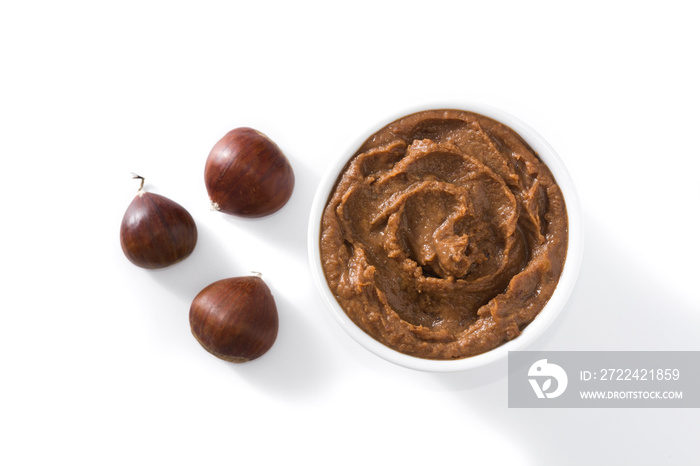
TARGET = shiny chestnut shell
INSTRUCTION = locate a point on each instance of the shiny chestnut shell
(156, 232)
(247, 175)
(235, 319)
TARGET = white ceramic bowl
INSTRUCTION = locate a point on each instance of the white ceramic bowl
(535, 328)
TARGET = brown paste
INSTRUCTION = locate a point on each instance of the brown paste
(445, 235)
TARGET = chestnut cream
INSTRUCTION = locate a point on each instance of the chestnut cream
(445, 235)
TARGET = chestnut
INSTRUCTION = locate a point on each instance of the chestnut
(247, 175)
(235, 319)
(156, 232)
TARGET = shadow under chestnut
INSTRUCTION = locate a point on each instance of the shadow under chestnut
(296, 365)
(286, 229)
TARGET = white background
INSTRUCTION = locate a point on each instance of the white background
(97, 363)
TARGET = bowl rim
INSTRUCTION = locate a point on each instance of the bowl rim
(546, 316)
